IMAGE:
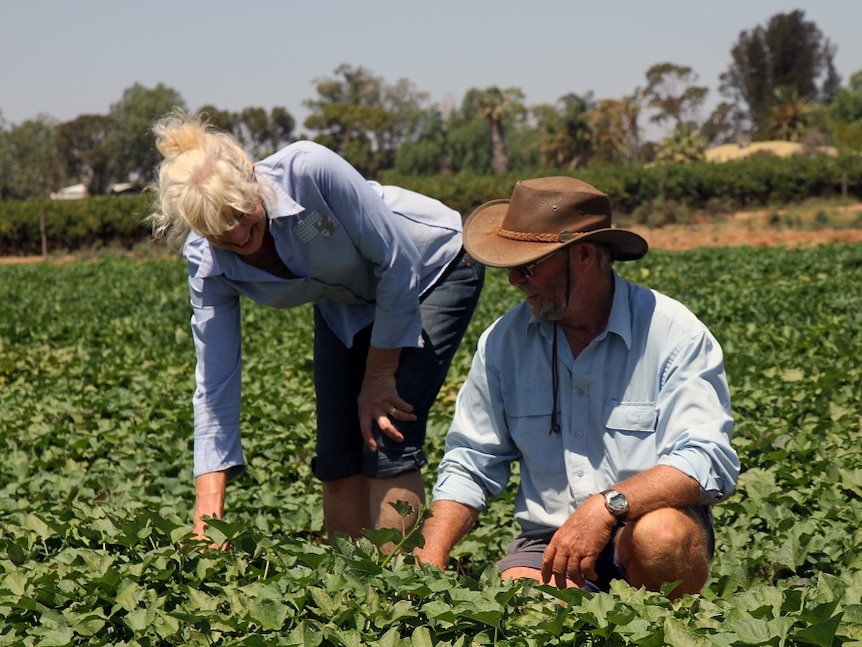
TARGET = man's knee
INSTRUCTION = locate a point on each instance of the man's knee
(518, 572)
(666, 545)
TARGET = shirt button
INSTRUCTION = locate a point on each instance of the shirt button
(580, 473)
(579, 434)
(581, 393)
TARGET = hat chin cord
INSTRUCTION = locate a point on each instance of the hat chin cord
(555, 376)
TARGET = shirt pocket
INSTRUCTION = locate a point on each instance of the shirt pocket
(631, 447)
(639, 417)
(529, 419)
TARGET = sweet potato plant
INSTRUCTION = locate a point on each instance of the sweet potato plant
(96, 489)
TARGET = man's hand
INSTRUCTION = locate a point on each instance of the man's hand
(424, 557)
(448, 523)
(576, 546)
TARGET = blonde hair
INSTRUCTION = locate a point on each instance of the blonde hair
(204, 179)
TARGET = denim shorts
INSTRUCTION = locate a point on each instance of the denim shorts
(338, 372)
(527, 552)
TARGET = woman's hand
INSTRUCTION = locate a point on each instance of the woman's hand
(379, 400)
(210, 491)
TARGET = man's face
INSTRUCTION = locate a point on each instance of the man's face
(544, 283)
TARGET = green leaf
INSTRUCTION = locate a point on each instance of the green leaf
(269, 613)
(421, 637)
(677, 634)
(822, 633)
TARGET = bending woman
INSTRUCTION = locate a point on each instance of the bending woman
(393, 293)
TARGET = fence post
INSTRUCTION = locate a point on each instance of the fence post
(42, 233)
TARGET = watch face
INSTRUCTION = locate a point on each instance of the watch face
(617, 502)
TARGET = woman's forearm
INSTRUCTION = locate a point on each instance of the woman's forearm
(210, 491)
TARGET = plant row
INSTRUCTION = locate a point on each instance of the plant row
(634, 189)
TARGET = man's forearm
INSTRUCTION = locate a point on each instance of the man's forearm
(449, 522)
(661, 486)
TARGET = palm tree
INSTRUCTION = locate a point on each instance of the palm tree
(565, 134)
(496, 107)
(686, 144)
(789, 114)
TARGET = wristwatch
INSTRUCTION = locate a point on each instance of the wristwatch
(618, 504)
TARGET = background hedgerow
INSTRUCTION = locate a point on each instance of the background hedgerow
(96, 490)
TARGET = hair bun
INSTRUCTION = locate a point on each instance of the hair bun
(178, 134)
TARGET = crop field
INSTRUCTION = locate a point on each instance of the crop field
(96, 488)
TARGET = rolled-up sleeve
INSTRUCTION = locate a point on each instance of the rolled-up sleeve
(695, 417)
(215, 326)
(479, 450)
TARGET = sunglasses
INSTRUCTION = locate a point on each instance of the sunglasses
(528, 269)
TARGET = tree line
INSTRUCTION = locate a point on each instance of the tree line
(781, 83)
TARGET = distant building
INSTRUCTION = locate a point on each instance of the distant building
(73, 192)
(79, 191)
(123, 188)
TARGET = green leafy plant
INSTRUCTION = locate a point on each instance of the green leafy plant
(96, 488)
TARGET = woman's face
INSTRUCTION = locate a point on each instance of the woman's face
(246, 235)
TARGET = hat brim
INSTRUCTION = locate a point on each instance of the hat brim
(484, 244)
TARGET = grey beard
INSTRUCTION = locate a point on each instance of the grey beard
(549, 311)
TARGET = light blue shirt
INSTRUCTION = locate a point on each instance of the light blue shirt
(649, 390)
(365, 253)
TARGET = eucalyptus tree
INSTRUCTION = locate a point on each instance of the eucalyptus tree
(425, 150)
(220, 119)
(30, 163)
(671, 92)
(5, 157)
(129, 143)
(615, 130)
(263, 133)
(845, 114)
(788, 51)
(723, 124)
(363, 118)
(81, 149)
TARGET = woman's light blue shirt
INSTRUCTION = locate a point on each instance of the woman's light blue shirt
(650, 390)
(365, 253)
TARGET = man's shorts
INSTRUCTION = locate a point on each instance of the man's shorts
(527, 552)
(338, 373)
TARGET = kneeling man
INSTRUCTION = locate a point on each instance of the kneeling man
(611, 396)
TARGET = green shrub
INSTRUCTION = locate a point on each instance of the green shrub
(633, 189)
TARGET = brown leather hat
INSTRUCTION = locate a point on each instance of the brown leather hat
(542, 216)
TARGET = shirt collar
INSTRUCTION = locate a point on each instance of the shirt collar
(209, 260)
(285, 206)
(619, 321)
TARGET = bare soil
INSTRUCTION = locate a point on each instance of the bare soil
(761, 228)
(734, 234)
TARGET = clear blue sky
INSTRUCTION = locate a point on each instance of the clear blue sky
(64, 58)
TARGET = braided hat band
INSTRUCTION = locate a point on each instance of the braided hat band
(562, 237)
